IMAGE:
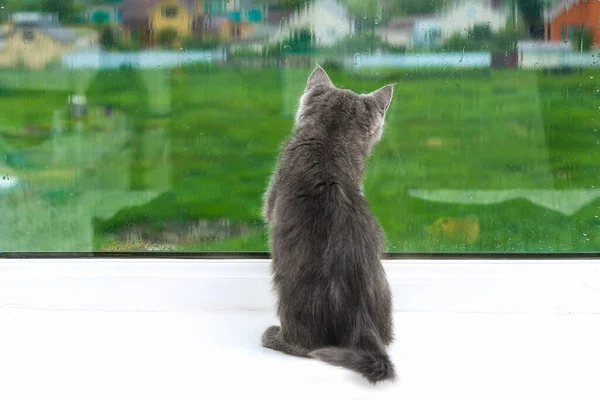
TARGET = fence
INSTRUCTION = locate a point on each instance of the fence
(527, 58)
(139, 59)
(465, 60)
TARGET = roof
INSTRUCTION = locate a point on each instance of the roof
(275, 16)
(35, 18)
(402, 23)
(46, 23)
(138, 11)
(61, 34)
(562, 7)
(58, 33)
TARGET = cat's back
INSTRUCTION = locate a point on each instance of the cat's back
(322, 209)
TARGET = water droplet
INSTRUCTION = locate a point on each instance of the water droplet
(585, 234)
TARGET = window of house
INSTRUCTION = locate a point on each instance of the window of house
(170, 11)
(475, 157)
(563, 32)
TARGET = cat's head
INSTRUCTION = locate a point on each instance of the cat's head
(332, 108)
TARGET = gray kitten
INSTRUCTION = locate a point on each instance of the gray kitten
(334, 301)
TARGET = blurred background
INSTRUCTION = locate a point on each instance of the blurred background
(154, 125)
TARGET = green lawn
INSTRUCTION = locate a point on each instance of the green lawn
(220, 130)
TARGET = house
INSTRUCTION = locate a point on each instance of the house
(33, 40)
(143, 20)
(273, 18)
(327, 20)
(107, 11)
(458, 16)
(568, 16)
(422, 31)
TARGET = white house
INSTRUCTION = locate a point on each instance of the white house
(416, 31)
(460, 15)
(327, 20)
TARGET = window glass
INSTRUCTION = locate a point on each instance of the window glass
(129, 125)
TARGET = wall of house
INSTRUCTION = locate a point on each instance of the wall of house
(464, 15)
(181, 22)
(585, 13)
(396, 37)
(41, 50)
(329, 26)
(327, 20)
(34, 53)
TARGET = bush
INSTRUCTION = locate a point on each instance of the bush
(481, 38)
(300, 41)
(191, 43)
(107, 39)
(364, 43)
(166, 37)
(481, 32)
(582, 40)
(333, 65)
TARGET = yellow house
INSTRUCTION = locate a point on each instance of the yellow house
(35, 45)
(172, 14)
(147, 19)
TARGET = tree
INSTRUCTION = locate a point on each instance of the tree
(64, 8)
(481, 38)
(413, 7)
(285, 4)
(532, 12)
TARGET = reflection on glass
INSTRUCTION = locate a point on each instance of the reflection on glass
(153, 125)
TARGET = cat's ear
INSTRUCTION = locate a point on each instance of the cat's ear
(318, 77)
(383, 96)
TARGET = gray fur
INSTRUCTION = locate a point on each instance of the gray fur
(333, 299)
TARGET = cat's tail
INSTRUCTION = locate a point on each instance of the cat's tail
(374, 366)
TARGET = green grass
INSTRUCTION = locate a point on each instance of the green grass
(449, 129)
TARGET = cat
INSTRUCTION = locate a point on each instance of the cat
(333, 298)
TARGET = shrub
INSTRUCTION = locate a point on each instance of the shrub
(166, 37)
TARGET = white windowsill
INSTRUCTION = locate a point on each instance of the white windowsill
(190, 329)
